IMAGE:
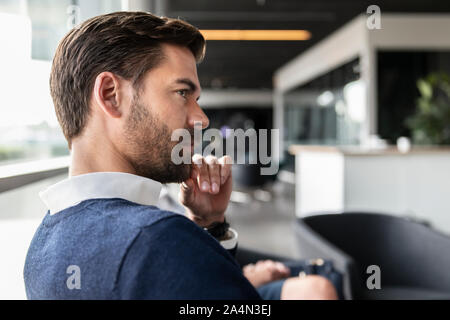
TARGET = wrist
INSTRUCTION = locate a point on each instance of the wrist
(205, 222)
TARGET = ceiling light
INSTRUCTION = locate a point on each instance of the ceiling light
(257, 35)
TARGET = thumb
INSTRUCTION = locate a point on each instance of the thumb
(187, 194)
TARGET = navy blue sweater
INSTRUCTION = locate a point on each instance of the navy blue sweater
(118, 249)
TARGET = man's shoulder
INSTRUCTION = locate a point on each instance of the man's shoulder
(94, 236)
(125, 213)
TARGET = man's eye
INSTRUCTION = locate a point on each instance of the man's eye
(182, 93)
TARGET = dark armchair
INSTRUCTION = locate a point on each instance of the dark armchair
(414, 259)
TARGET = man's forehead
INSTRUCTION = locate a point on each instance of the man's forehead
(178, 57)
(178, 66)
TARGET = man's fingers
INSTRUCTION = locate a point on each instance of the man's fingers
(277, 269)
(194, 173)
(202, 173)
(225, 163)
(284, 270)
(187, 194)
(210, 172)
(214, 173)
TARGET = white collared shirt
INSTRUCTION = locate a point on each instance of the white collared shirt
(106, 185)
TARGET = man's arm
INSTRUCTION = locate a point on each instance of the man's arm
(174, 259)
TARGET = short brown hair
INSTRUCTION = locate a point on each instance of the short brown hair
(127, 44)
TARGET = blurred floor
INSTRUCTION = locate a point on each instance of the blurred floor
(264, 218)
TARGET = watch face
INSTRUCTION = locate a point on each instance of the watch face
(226, 236)
(219, 230)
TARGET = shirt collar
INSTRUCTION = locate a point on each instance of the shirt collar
(97, 185)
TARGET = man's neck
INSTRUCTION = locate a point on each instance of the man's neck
(88, 156)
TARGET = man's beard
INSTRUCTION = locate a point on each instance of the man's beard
(149, 147)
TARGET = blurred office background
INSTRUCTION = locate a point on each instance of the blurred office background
(363, 113)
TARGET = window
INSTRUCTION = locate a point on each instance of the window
(328, 110)
(29, 34)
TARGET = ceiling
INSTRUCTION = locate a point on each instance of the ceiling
(251, 64)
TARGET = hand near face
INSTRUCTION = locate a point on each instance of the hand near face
(207, 192)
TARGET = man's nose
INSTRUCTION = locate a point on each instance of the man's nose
(196, 114)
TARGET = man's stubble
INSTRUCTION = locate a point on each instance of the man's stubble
(149, 146)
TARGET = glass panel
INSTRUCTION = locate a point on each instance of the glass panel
(29, 32)
(329, 110)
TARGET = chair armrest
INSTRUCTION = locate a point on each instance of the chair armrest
(312, 245)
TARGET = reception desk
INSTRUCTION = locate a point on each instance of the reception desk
(337, 179)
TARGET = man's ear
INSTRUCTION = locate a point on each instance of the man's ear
(107, 94)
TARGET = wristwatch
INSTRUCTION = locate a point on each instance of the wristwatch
(218, 229)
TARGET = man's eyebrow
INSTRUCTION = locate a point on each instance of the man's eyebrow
(192, 86)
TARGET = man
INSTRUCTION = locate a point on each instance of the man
(121, 84)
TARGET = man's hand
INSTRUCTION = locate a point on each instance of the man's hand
(265, 271)
(207, 192)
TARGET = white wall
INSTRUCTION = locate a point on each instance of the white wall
(416, 185)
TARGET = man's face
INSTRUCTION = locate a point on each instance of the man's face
(166, 101)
